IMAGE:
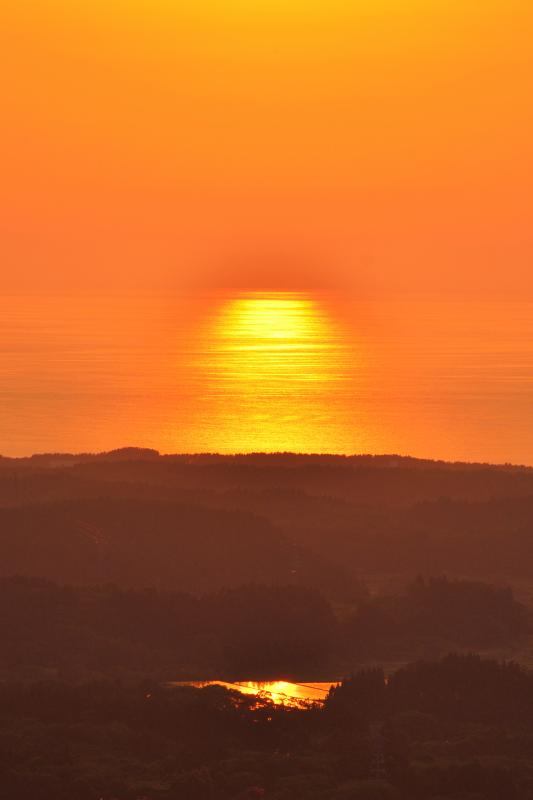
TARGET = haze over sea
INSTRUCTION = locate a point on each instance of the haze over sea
(239, 371)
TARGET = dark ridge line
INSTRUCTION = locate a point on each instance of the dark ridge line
(136, 454)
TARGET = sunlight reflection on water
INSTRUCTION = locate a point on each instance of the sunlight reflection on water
(279, 692)
(273, 371)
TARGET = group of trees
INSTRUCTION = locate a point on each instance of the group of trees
(323, 519)
(253, 631)
(440, 612)
(134, 543)
(254, 567)
(248, 632)
(457, 729)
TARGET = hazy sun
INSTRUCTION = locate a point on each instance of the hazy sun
(253, 321)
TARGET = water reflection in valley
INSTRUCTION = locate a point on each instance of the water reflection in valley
(279, 692)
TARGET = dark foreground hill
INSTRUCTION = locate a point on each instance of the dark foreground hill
(168, 567)
(455, 729)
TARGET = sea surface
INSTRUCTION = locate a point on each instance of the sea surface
(248, 371)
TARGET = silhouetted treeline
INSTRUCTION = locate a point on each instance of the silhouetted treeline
(253, 631)
(475, 538)
(323, 520)
(437, 613)
(456, 729)
(319, 542)
(358, 479)
(249, 632)
(261, 459)
(138, 543)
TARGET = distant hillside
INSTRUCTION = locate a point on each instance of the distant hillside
(387, 480)
(138, 543)
(250, 631)
(206, 521)
(257, 459)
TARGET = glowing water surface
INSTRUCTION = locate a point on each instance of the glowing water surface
(275, 367)
(273, 371)
(280, 692)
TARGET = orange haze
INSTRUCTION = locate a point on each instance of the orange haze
(381, 144)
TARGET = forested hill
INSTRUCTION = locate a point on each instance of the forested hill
(277, 459)
(198, 523)
(368, 479)
(164, 544)
(251, 632)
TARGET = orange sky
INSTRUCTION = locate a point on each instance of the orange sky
(385, 144)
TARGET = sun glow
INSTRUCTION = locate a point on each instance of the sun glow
(259, 319)
(275, 365)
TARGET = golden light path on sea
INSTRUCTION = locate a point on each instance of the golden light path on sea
(275, 367)
(238, 371)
